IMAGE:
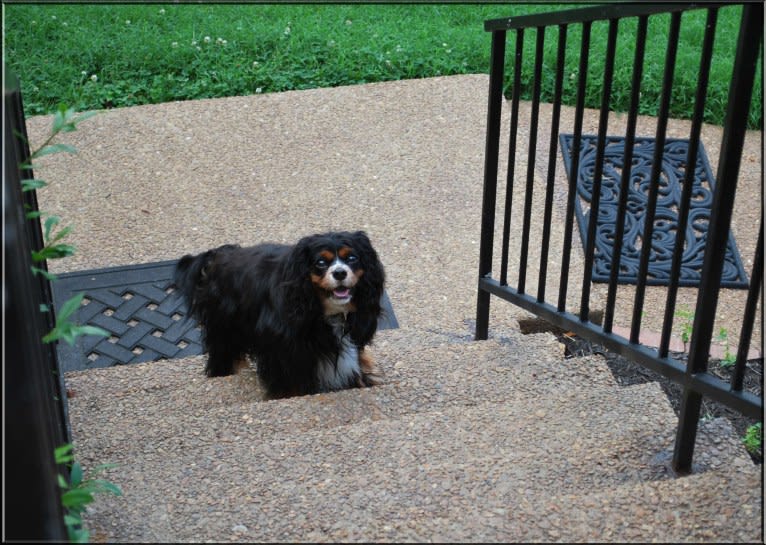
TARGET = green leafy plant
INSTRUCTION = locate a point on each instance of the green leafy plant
(64, 120)
(728, 358)
(753, 439)
(78, 492)
(687, 326)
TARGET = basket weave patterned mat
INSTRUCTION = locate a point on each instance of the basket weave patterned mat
(138, 305)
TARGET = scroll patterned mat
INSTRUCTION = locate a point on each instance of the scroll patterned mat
(666, 215)
(146, 319)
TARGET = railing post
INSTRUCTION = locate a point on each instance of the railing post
(740, 94)
(492, 149)
(34, 426)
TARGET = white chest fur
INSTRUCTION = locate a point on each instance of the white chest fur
(335, 377)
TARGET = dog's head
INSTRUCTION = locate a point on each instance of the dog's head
(340, 270)
(335, 271)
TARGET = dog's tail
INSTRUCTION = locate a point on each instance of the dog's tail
(189, 276)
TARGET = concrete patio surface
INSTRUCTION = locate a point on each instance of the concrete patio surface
(402, 160)
(492, 441)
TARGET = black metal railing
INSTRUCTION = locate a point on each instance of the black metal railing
(693, 374)
(35, 406)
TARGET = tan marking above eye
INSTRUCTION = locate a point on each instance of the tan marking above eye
(326, 255)
(344, 252)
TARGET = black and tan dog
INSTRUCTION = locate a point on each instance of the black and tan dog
(305, 313)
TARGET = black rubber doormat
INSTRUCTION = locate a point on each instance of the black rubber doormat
(666, 215)
(138, 305)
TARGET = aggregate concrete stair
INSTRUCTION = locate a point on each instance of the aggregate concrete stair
(500, 440)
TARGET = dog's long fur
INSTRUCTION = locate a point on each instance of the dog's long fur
(305, 312)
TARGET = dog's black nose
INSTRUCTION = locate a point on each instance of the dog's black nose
(339, 274)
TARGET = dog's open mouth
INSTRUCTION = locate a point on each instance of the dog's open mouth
(341, 292)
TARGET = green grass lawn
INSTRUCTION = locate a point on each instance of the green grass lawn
(104, 56)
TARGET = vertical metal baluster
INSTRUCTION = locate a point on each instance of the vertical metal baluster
(627, 164)
(756, 277)
(686, 194)
(552, 162)
(489, 198)
(740, 94)
(515, 98)
(574, 166)
(654, 181)
(540, 42)
(595, 199)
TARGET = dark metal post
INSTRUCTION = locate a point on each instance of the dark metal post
(595, 198)
(497, 58)
(507, 209)
(33, 424)
(561, 55)
(740, 94)
(630, 138)
(756, 278)
(540, 42)
(654, 182)
(575, 151)
(686, 194)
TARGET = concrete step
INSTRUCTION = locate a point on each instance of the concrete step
(446, 375)
(690, 509)
(463, 431)
(437, 474)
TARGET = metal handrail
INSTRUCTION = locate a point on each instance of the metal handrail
(692, 376)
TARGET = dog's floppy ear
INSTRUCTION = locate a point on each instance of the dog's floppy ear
(369, 290)
(374, 276)
(299, 297)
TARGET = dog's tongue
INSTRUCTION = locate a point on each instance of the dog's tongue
(341, 293)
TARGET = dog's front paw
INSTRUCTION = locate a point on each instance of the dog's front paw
(371, 374)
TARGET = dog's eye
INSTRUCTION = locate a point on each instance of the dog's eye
(352, 259)
(320, 263)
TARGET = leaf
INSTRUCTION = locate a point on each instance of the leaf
(76, 498)
(80, 535)
(63, 454)
(58, 119)
(62, 250)
(29, 185)
(57, 251)
(50, 276)
(91, 330)
(83, 116)
(54, 148)
(50, 223)
(72, 520)
(43, 306)
(33, 214)
(72, 121)
(61, 234)
(106, 486)
(68, 308)
(75, 475)
(53, 335)
(62, 331)
(67, 333)
(62, 482)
